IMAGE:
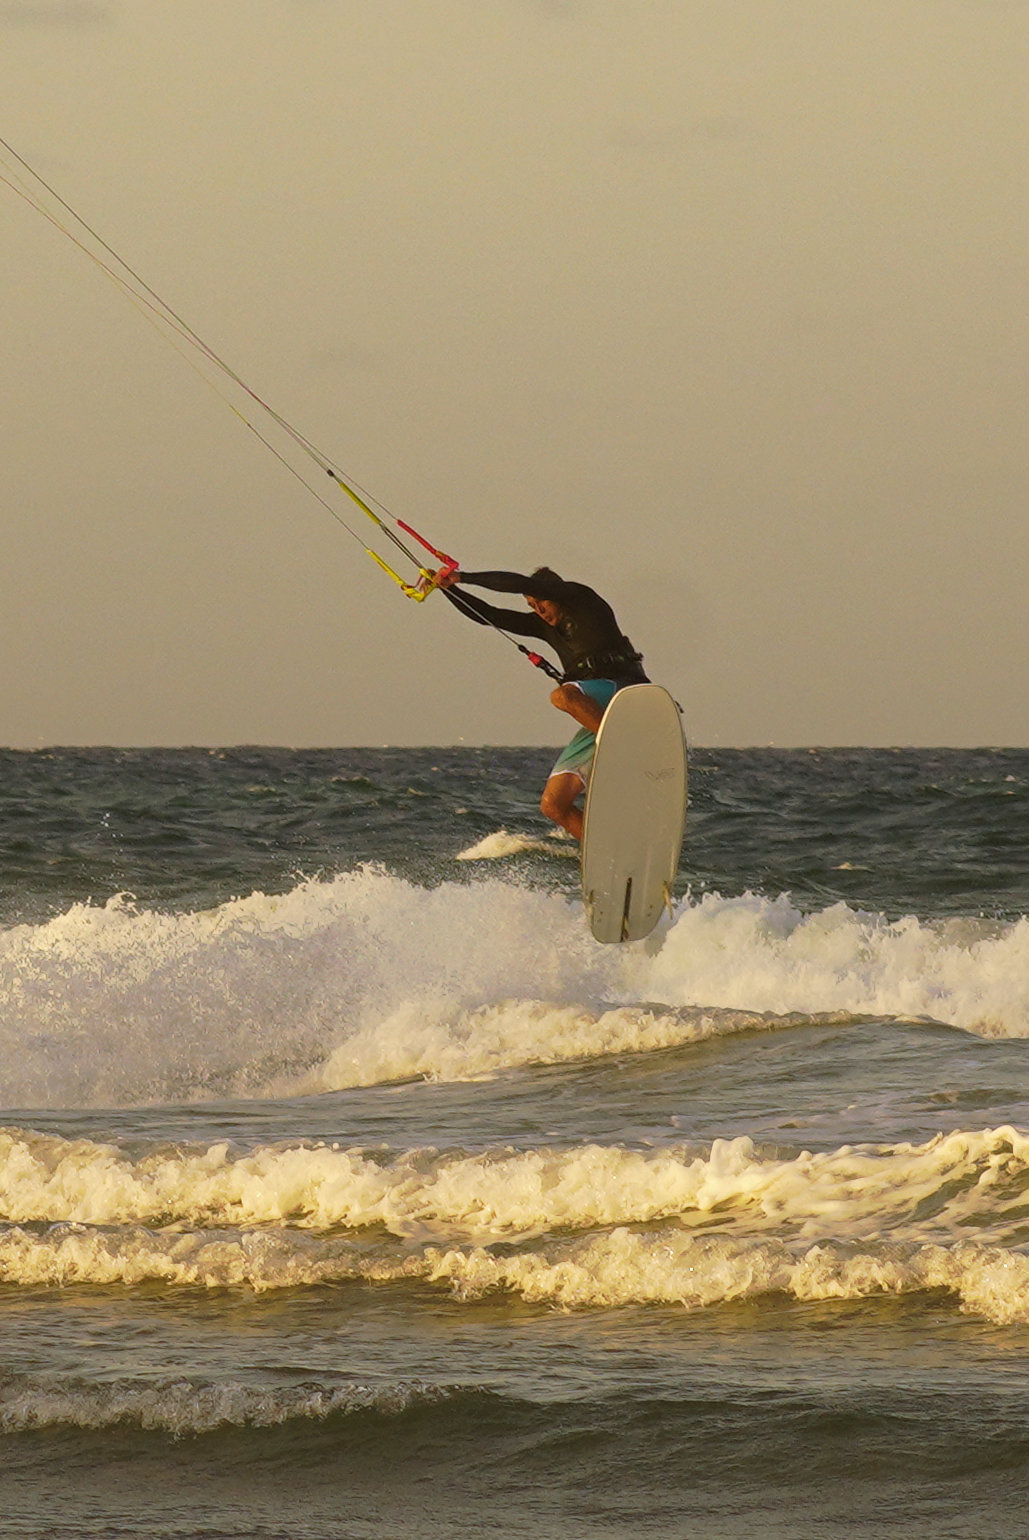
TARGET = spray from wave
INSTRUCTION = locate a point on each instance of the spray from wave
(502, 844)
(369, 978)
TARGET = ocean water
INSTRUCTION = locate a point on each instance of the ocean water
(349, 1189)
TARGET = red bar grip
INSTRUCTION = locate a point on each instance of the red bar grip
(448, 561)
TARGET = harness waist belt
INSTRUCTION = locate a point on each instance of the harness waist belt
(606, 665)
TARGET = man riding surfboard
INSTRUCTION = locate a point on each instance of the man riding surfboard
(597, 659)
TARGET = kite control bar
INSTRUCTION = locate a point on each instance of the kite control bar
(428, 581)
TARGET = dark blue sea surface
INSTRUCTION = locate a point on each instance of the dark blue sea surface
(901, 830)
(349, 1188)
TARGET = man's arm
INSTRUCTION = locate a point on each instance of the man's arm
(519, 622)
(541, 586)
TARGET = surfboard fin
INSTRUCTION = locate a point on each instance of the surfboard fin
(625, 909)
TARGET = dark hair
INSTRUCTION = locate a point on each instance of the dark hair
(546, 572)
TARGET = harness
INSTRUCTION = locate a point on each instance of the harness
(605, 665)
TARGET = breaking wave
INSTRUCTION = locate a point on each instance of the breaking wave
(941, 1187)
(583, 1228)
(186, 1406)
(369, 978)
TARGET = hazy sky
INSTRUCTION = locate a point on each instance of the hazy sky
(721, 306)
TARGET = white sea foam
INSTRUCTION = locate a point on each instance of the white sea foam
(502, 844)
(432, 1039)
(617, 1268)
(767, 955)
(593, 1226)
(941, 1189)
(627, 1268)
(370, 978)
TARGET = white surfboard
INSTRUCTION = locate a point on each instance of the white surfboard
(635, 814)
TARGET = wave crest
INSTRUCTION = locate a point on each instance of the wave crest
(184, 1407)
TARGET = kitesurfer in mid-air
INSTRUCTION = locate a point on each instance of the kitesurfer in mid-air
(597, 659)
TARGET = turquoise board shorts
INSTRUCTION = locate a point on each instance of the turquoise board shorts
(577, 757)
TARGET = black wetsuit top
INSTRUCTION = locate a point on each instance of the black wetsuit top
(586, 639)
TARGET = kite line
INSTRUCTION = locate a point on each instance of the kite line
(29, 185)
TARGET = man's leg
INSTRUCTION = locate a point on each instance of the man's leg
(567, 781)
(585, 710)
(558, 803)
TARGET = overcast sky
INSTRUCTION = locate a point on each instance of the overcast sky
(721, 306)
